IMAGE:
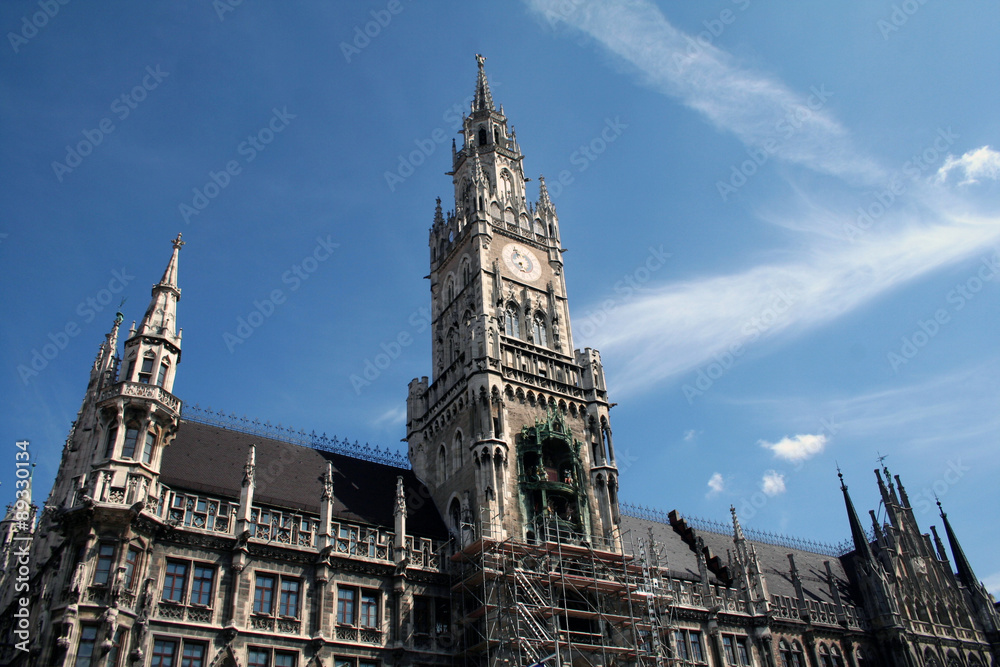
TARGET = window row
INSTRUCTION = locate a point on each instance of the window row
(146, 370)
(107, 556)
(537, 324)
(133, 431)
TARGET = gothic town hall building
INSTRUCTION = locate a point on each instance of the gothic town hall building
(178, 537)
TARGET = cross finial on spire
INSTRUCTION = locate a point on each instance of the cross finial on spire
(483, 99)
(178, 242)
(481, 59)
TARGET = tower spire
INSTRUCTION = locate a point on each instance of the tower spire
(484, 98)
(160, 318)
(965, 573)
(861, 545)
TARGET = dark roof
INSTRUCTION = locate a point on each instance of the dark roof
(210, 459)
(683, 563)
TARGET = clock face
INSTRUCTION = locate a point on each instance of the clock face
(522, 262)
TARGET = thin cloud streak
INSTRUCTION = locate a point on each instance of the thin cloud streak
(680, 326)
(755, 107)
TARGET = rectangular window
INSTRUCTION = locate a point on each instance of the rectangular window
(258, 657)
(163, 373)
(105, 559)
(193, 654)
(85, 651)
(131, 368)
(109, 446)
(288, 605)
(146, 372)
(284, 659)
(131, 564)
(369, 609)
(131, 436)
(442, 616)
(119, 647)
(147, 448)
(727, 644)
(421, 615)
(345, 605)
(164, 653)
(263, 594)
(682, 646)
(741, 652)
(696, 653)
(736, 650)
(175, 581)
(201, 585)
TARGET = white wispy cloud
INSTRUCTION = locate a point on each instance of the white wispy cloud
(759, 109)
(677, 327)
(391, 417)
(983, 162)
(797, 448)
(716, 484)
(689, 435)
(992, 583)
(773, 483)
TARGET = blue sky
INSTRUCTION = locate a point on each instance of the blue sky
(824, 179)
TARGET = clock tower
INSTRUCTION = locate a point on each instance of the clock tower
(512, 434)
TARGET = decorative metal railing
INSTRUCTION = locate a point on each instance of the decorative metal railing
(752, 534)
(196, 413)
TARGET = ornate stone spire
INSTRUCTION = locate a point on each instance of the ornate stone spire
(484, 98)
(160, 318)
(543, 195)
(861, 545)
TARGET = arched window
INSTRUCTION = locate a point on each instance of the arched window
(862, 658)
(797, 657)
(482, 136)
(455, 514)
(512, 323)
(466, 273)
(824, 656)
(449, 291)
(785, 651)
(131, 437)
(109, 444)
(539, 331)
(443, 462)
(496, 135)
(835, 658)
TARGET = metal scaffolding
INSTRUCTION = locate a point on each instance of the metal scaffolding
(559, 597)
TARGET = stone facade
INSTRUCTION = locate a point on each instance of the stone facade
(177, 537)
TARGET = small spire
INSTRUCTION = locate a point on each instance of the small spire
(438, 214)
(484, 98)
(902, 493)
(477, 167)
(861, 545)
(328, 482)
(941, 553)
(400, 497)
(250, 468)
(543, 195)
(737, 528)
(965, 573)
(160, 317)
